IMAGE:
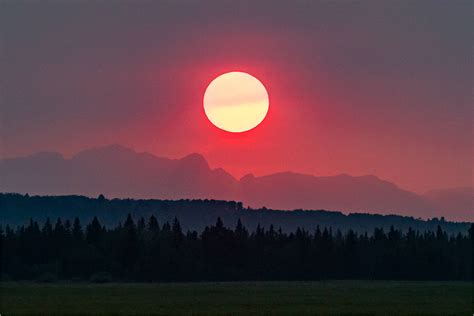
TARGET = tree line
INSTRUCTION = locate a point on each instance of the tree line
(147, 251)
(17, 209)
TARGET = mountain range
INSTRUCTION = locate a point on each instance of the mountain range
(117, 171)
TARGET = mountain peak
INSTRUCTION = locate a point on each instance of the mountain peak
(113, 150)
(195, 160)
(248, 177)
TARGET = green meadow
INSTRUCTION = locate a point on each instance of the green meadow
(238, 298)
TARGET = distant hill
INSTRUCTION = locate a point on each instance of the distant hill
(366, 194)
(120, 172)
(116, 171)
(16, 209)
(456, 201)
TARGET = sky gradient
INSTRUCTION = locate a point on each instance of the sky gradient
(380, 87)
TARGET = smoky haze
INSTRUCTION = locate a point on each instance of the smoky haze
(360, 88)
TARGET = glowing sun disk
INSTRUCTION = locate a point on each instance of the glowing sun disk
(236, 102)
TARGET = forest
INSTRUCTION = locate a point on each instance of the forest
(145, 250)
(17, 209)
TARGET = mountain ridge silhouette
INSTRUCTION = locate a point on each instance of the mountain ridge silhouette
(118, 171)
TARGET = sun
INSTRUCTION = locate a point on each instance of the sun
(236, 102)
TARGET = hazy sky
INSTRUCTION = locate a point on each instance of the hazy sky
(382, 87)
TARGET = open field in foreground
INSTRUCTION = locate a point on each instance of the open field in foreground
(239, 298)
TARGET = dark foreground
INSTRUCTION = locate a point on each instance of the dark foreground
(239, 298)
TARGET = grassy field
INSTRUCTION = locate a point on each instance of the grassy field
(239, 298)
